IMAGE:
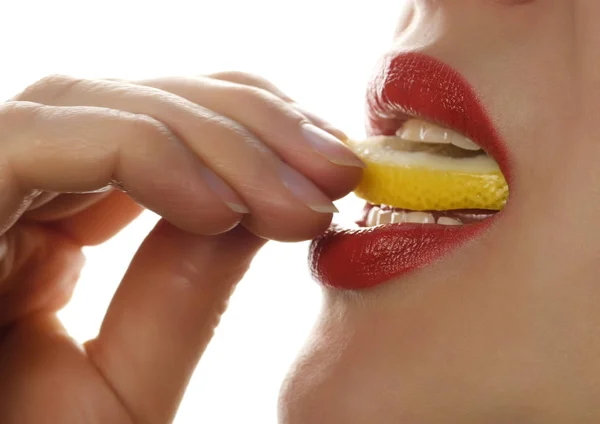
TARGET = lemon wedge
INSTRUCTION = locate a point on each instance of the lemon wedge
(419, 176)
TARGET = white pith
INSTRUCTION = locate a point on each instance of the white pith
(393, 150)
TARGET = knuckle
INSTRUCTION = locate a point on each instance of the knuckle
(252, 80)
(17, 114)
(239, 76)
(254, 95)
(51, 88)
(265, 102)
(222, 127)
(54, 80)
(48, 87)
(146, 128)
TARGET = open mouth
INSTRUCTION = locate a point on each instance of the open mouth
(427, 174)
(435, 176)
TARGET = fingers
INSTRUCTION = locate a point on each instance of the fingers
(39, 265)
(164, 314)
(82, 149)
(62, 206)
(47, 378)
(14, 199)
(286, 131)
(244, 78)
(101, 221)
(38, 271)
(285, 198)
(259, 82)
(42, 200)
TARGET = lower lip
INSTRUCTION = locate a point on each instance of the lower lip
(356, 259)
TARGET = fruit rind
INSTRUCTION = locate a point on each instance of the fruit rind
(418, 188)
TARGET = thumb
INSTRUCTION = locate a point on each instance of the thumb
(164, 314)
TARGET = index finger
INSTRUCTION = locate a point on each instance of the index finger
(82, 149)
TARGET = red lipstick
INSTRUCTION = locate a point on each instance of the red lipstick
(408, 85)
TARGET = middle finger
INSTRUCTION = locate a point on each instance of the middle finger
(284, 204)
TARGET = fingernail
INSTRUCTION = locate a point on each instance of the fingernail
(222, 189)
(305, 191)
(330, 147)
(327, 126)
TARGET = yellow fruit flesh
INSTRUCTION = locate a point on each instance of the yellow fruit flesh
(427, 189)
(420, 187)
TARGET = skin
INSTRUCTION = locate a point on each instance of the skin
(503, 330)
(506, 328)
(79, 160)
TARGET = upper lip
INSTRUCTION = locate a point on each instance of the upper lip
(404, 88)
(407, 85)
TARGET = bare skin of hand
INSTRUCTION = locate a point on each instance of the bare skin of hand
(227, 160)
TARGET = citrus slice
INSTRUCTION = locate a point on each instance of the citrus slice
(420, 176)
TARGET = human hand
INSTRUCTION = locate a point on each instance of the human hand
(228, 161)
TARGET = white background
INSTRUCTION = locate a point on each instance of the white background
(320, 52)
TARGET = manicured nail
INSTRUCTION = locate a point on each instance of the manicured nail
(305, 190)
(222, 189)
(327, 126)
(330, 147)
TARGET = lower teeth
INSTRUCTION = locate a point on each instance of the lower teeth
(382, 215)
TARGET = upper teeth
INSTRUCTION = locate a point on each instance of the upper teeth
(426, 132)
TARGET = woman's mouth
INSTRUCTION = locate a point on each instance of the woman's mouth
(436, 176)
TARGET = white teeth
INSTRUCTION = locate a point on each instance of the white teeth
(398, 217)
(385, 217)
(372, 217)
(462, 142)
(420, 218)
(377, 216)
(444, 220)
(426, 132)
(423, 131)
